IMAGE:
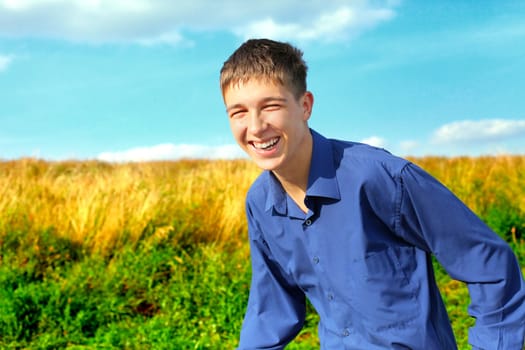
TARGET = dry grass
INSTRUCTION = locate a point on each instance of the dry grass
(101, 205)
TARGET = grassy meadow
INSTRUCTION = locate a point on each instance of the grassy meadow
(154, 255)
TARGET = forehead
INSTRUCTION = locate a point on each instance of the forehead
(253, 91)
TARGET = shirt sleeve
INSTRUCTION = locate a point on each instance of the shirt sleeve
(434, 219)
(276, 307)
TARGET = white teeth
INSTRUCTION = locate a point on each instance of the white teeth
(265, 145)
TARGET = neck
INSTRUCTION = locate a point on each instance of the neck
(294, 178)
(297, 193)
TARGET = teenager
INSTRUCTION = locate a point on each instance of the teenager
(353, 228)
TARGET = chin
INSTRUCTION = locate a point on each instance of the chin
(265, 164)
(269, 163)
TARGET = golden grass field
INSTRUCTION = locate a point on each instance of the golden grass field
(103, 207)
(95, 204)
(99, 204)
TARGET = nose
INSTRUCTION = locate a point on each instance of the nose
(256, 123)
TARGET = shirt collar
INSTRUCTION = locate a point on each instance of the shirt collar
(322, 181)
(276, 195)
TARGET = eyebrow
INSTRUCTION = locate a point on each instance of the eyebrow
(264, 100)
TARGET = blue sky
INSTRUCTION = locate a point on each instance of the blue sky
(137, 80)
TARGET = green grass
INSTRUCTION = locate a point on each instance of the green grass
(143, 297)
(134, 260)
(150, 295)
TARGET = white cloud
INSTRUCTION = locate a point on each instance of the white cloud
(409, 146)
(375, 141)
(472, 131)
(342, 23)
(170, 151)
(146, 21)
(5, 61)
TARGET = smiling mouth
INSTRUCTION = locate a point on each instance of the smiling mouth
(265, 145)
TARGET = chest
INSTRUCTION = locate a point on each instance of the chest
(330, 242)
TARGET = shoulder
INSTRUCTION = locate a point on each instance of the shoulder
(259, 188)
(369, 176)
(258, 192)
(365, 161)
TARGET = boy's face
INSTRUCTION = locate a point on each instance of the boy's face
(269, 123)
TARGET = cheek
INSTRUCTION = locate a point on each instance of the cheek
(289, 123)
(237, 129)
(277, 120)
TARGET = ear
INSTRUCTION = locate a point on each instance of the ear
(307, 102)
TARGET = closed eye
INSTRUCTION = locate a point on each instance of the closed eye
(272, 107)
(236, 113)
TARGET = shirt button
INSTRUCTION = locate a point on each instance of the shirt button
(346, 332)
(308, 222)
(316, 260)
(330, 297)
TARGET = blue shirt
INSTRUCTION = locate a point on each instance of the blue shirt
(362, 256)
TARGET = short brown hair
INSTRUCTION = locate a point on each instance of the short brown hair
(267, 60)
